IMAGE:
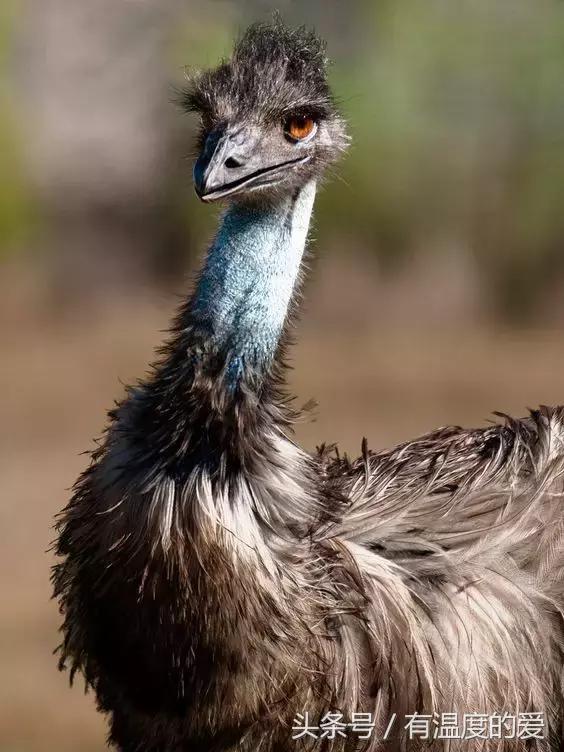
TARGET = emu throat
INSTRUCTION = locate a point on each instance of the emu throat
(249, 276)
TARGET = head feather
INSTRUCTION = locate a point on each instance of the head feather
(274, 71)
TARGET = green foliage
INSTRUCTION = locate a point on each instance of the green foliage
(457, 113)
(15, 214)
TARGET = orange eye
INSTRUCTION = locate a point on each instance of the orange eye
(299, 127)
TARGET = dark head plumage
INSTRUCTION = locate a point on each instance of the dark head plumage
(274, 85)
(273, 71)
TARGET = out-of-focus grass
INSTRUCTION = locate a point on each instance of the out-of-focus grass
(457, 117)
(15, 199)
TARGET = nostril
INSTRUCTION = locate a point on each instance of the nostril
(232, 162)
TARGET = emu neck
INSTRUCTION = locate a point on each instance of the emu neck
(243, 296)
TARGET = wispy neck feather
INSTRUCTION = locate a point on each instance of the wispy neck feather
(248, 279)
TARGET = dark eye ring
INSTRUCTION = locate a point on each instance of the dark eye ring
(299, 127)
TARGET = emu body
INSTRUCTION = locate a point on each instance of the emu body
(216, 580)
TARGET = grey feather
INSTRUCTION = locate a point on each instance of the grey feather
(216, 580)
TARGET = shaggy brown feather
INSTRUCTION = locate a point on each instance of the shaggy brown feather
(216, 580)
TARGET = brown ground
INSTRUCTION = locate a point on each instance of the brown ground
(58, 375)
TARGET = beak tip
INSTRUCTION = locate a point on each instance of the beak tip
(200, 190)
(205, 197)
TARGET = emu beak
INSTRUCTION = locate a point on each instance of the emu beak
(237, 159)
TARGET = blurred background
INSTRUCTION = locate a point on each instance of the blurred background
(437, 285)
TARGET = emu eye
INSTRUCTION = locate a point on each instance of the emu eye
(299, 127)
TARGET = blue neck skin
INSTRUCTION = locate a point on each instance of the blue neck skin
(248, 279)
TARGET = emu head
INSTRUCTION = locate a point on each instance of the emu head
(268, 120)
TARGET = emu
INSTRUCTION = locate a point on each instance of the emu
(218, 582)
